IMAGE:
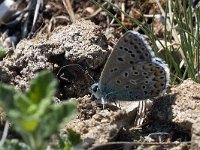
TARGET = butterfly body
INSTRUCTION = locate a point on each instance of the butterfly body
(132, 72)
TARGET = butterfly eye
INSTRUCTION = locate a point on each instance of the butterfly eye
(94, 88)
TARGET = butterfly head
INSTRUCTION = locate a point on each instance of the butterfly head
(94, 89)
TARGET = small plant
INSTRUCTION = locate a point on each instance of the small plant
(14, 144)
(67, 141)
(2, 51)
(33, 113)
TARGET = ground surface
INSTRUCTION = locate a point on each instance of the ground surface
(170, 121)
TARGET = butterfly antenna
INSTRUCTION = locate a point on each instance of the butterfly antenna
(90, 76)
(60, 75)
(80, 67)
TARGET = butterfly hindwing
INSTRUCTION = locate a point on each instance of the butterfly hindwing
(132, 72)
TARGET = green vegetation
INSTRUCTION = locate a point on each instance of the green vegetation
(2, 51)
(34, 115)
(67, 141)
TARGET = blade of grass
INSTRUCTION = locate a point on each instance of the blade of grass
(109, 13)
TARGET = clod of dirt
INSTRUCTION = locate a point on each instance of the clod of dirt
(186, 107)
(180, 107)
(81, 43)
(4, 77)
(94, 125)
(196, 135)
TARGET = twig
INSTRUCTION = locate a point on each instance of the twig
(69, 9)
(37, 7)
(96, 12)
(152, 16)
(123, 9)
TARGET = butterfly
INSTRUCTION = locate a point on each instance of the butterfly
(132, 72)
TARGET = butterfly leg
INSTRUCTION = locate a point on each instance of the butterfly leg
(143, 106)
(140, 113)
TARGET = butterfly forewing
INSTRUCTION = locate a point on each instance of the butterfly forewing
(132, 72)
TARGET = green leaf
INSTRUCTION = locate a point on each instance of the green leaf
(2, 51)
(21, 102)
(43, 108)
(68, 110)
(34, 115)
(43, 86)
(23, 122)
(7, 93)
(29, 124)
(58, 114)
(14, 144)
(73, 137)
(67, 141)
(68, 146)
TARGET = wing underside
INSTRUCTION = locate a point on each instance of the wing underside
(132, 72)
